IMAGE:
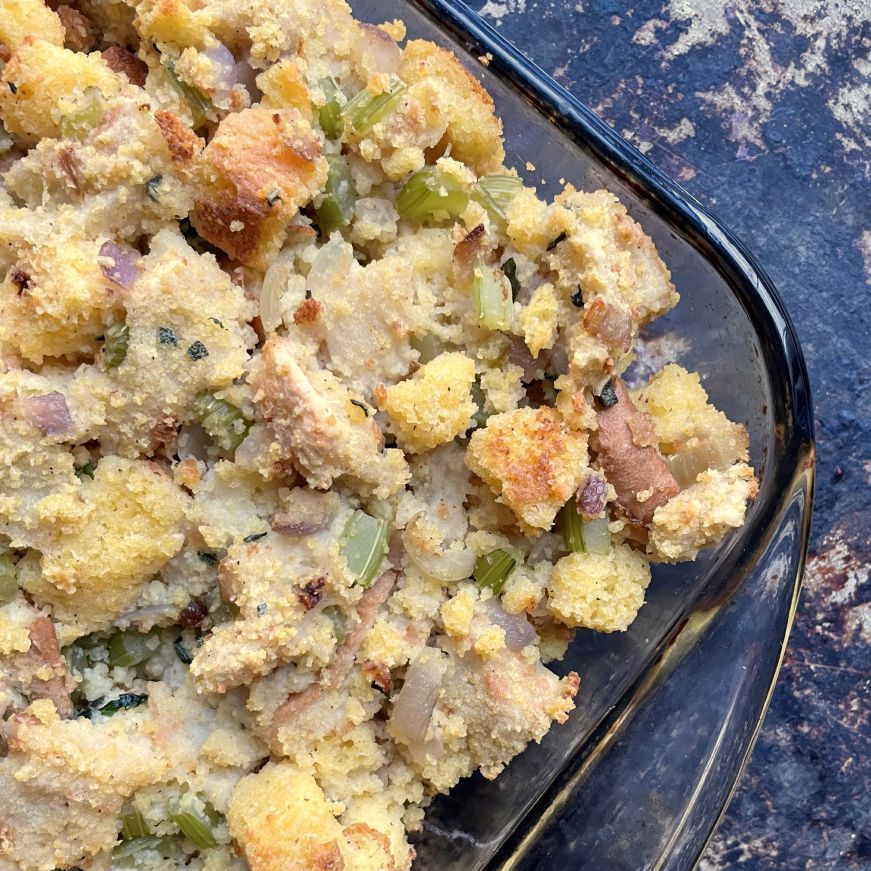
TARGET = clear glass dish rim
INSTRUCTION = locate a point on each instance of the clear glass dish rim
(719, 246)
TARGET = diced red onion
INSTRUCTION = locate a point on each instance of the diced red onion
(519, 632)
(413, 708)
(520, 355)
(123, 271)
(382, 49)
(592, 496)
(49, 413)
(284, 524)
(246, 76)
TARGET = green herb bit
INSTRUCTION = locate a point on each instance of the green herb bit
(201, 107)
(364, 545)
(222, 420)
(478, 397)
(196, 820)
(151, 188)
(86, 471)
(493, 300)
(339, 200)
(133, 825)
(509, 270)
(226, 612)
(571, 526)
(495, 193)
(209, 559)
(124, 702)
(13, 88)
(129, 648)
(182, 652)
(330, 114)
(365, 110)
(493, 568)
(8, 581)
(429, 193)
(608, 396)
(561, 238)
(578, 298)
(116, 342)
(255, 536)
(340, 621)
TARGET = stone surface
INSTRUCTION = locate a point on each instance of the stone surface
(762, 110)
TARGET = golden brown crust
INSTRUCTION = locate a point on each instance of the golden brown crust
(182, 142)
(119, 60)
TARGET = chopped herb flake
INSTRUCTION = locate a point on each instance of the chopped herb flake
(151, 187)
(208, 558)
(115, 344)
(182, 652)
(13, 87)
(216, 321)
(607, 397)
(261, 609)
(361, 406)
(85, 471)
(578, 298)
(256, 536)
(509, 267)
(124, 702)
(166, 336)
(198, 351)
(561, 238)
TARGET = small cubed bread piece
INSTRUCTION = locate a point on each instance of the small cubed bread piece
(282, 821)
(55, 301)
(258, 169)
(691, 433)
(22, 18)
(599, 591)
(701, 515)
(531, 460)
(94, 569)
(435, 405)
(474, 131)
(43, 84)
(316, 424)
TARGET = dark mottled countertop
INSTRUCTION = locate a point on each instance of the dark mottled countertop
(763, 112)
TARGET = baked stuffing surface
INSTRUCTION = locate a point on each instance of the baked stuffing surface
(315, 447)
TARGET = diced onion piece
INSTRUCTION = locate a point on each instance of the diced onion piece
(123, 271)
(597, 536)
(571, 527)
(274, 284)
(430, 193)
(130, 648)
(194, 823)
(365, 110)
(225, 67)
(49, 413)
(381, 48)
(340, 199)
(495, 193)
(493, 298)
(428, 347)
(330, 114)
(130, 848)
(492, 569)
(364, 545)
(133, 825)
(116, 341)
(222, 420)
(519, 632)
(8, 582)
(449, 565)
(413, 707)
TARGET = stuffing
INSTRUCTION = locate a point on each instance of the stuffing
(129, 527)
(691, 434)
(703, 514)
(45, 87)
(599, 591)
(259, 168)
(318, 426)
(531, 460)
(435, 405)
(288, 485)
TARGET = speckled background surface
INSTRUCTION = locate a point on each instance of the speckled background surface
(762, 110)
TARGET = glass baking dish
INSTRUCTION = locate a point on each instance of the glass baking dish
(667, 712)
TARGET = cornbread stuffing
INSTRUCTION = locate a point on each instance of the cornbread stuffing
(317, 439)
